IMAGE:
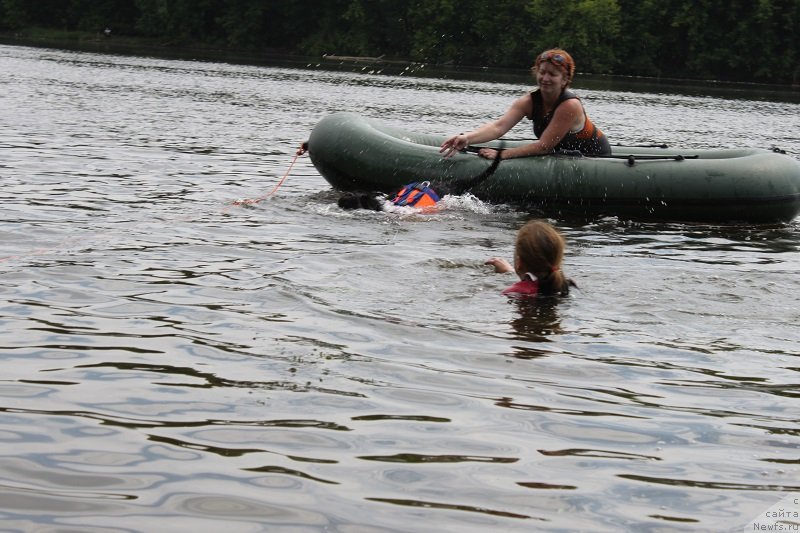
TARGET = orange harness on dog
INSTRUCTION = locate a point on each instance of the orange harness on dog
(417, 194)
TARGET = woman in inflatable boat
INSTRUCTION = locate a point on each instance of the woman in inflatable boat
(560, 122)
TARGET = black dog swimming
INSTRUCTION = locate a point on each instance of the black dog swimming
(361, 200)
(417, 194)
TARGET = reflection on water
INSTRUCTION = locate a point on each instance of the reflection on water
(171, 358)
(537, 320)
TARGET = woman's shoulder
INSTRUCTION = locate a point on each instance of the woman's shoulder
(569, 98)
(527, 97)
(567, 94)
(571, 105)
(525, 103)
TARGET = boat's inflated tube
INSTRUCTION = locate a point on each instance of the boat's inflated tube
(353, 152)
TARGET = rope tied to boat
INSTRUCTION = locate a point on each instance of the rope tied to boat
(302, 149)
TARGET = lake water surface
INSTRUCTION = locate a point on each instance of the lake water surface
(172, 362)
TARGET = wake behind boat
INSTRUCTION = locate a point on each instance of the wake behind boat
(358, 153)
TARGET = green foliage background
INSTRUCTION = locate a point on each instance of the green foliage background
(734, 40)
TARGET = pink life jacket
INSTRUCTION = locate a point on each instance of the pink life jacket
(525, 287)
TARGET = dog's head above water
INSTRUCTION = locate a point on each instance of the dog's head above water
(360, 200)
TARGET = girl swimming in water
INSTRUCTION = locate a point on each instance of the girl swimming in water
(538, 255)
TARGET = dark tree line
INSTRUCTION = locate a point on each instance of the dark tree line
(741, 40)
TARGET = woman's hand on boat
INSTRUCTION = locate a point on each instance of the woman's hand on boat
(500, 265)
(489, 153)
(454, 144)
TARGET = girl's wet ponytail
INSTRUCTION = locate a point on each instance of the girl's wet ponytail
(540, 248)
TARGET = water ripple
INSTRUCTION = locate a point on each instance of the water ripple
(173, 361)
